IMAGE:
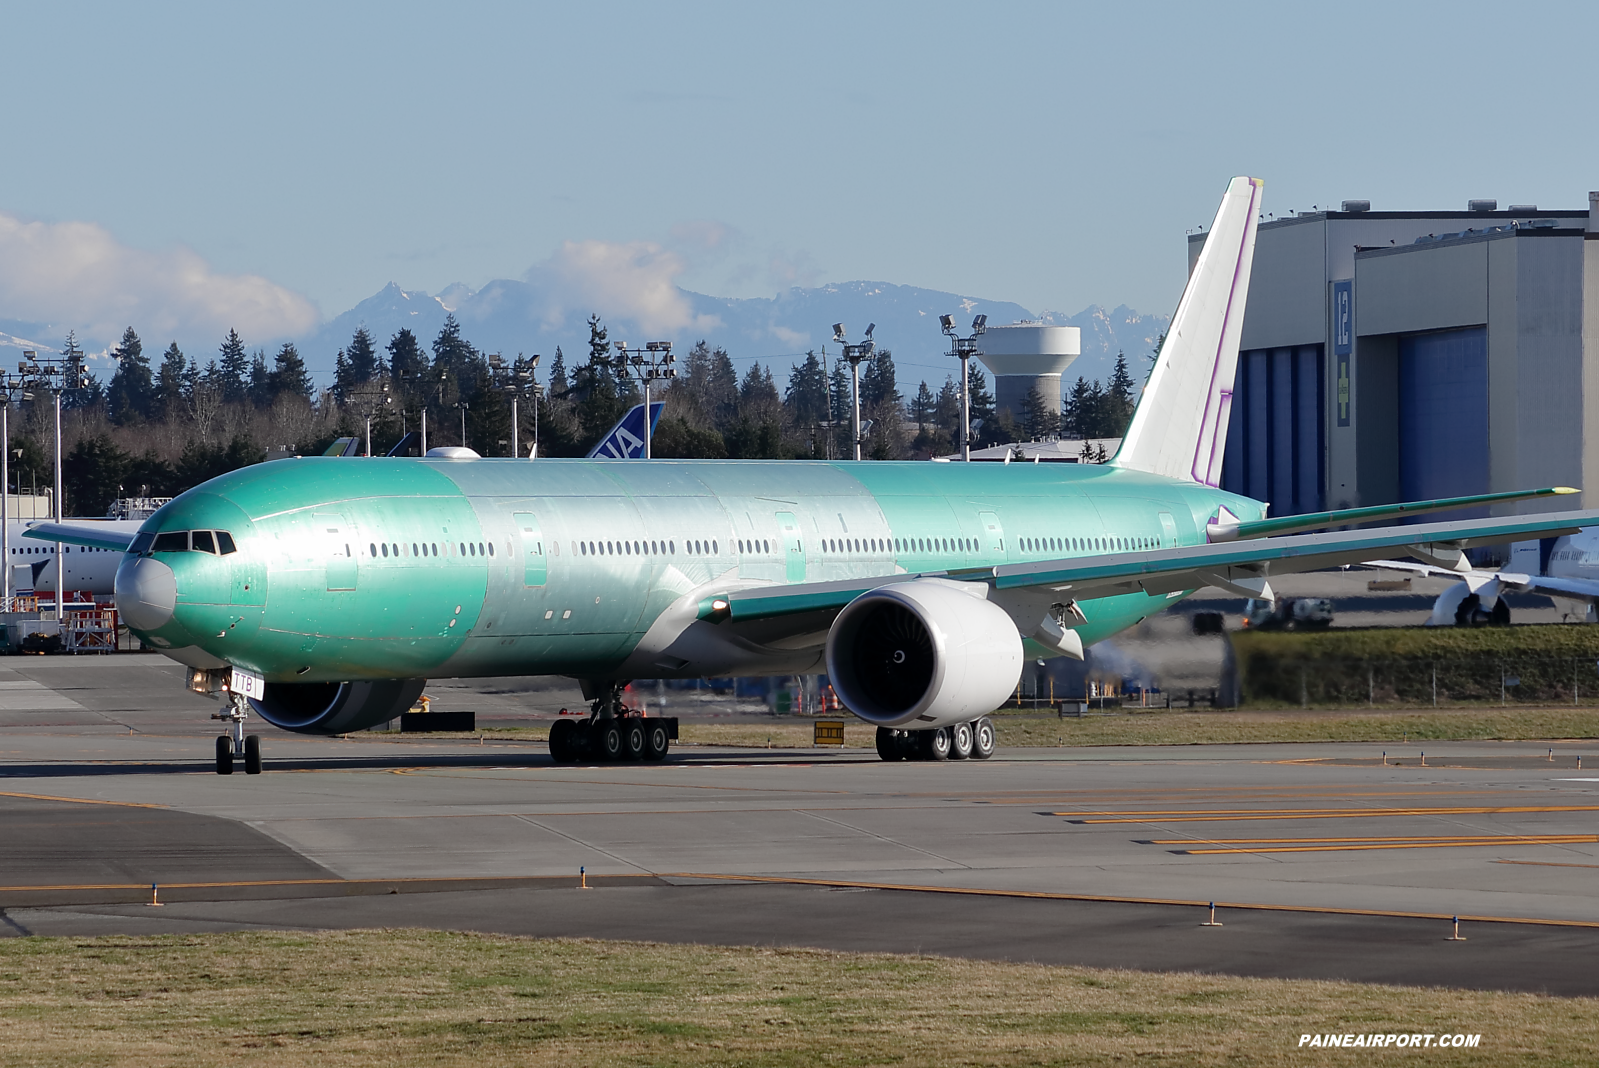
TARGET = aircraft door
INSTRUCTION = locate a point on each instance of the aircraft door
(993, 533)
(793, 547)
(338, 550)
(535, 568)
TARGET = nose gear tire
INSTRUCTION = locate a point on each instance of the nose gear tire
(224, 755)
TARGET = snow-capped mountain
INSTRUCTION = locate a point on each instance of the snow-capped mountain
(512, 316)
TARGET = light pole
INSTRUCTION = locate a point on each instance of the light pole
(463, 405)
(517, 378)
(411, 379)
(372, 401)
(653, 363)
(963, 349)
(7, 384)
(855, 354)
(56, 375)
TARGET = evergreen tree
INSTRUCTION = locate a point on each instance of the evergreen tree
(132, 391)
(599, 349)
(288, 377)
(721, 390)
(841, 388)
(356, 365)
(232, 376)
(982, 409)
(599, 402)
(922, 406)
(878, 386)
(408, 371)
(407, 361)
(169, 383)
(558, 383)
(1037, 419)
(1077, 416)
(342, 380)
(1120, 396)
(452, 353)
(363, 356)
(1098, 416)
(260, 380)
(806, 396)
(947, 409)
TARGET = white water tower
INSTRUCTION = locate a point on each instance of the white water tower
(1028, 356)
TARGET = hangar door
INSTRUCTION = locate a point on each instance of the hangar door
(1276, 434)
(1443, 415)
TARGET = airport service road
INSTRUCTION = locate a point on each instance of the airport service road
(808, 847)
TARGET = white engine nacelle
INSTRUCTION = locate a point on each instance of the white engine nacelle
(922, 654)
(1447, 604)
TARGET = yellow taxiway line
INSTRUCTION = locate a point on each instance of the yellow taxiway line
(1220, 814)
(78, 800)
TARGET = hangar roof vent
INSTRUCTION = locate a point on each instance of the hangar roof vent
(1529, 208)
(1482, 205)
(1357, 205)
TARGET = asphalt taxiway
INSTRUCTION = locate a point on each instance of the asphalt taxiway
(1323, 860)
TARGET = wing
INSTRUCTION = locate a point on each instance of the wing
(1515, 582)
(1242, 567)
(94, 536)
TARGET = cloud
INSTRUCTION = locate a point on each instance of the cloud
(634, 281)
(76, 275)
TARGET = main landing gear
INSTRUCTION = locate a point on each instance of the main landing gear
(612, 734)
(236, 742)
(973, 740)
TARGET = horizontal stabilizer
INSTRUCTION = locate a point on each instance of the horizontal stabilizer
(89, 535)
(1228, 528)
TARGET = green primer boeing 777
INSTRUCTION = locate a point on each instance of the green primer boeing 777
(321, 593)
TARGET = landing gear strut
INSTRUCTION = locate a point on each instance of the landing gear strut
(973, 740)
(611, 734)
(236, 742)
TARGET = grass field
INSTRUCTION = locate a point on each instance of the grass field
(1164, 728)
(419, 997)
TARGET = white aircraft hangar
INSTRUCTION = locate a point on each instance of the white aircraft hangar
(1392, 355)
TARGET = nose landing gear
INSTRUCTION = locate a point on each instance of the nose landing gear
(236, 742)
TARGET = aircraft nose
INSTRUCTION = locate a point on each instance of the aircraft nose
(146, 592)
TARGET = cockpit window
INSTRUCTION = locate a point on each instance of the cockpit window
(180, 541)
(172, 541)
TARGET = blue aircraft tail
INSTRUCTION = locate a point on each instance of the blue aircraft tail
(626, 439)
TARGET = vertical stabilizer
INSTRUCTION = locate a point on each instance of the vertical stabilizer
(1180, 426)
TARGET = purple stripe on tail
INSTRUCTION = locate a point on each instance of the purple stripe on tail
(1207, 424)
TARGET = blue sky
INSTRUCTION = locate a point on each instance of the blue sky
(1048, 154)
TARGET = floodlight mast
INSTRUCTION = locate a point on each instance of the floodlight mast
(963, 349)
(855, 354)
(652, 363)
(517, 378)
(56, 374)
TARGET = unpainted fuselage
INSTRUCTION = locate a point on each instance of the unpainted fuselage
(401, 568)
